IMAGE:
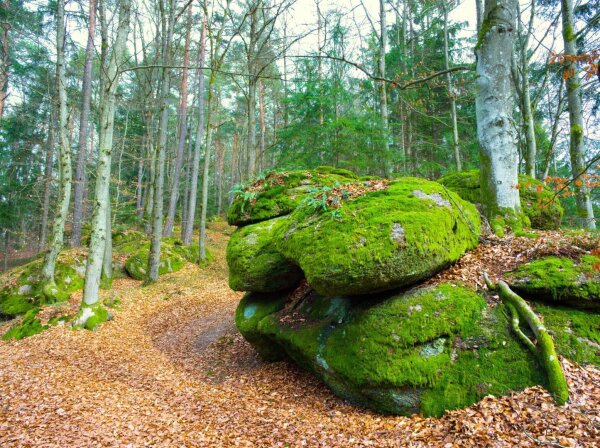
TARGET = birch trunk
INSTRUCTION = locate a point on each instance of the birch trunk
(60, 218)
(191, 215)
(86, 92)
(100, 241)
(174, 194)
(498, 150)
(574, 104)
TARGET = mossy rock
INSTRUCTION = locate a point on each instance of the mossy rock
(128, 241)
(173, 256)
(426, 351)
(381, 240)
(576, 333)
(279, 193)
(29, 291)
(254, 262)
(29, 326)
(538, 202)
(559, 279)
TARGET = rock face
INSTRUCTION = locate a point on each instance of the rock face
(382, 239)
(537, 200)
(563, 280)
(254, 262)
(425, 351)
(278, 194)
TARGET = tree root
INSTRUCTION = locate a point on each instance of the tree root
(544, 349)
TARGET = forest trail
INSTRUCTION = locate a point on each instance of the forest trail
(171, 370)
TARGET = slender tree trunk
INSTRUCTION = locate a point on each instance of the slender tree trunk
(4, 64)
(189, 228)
(205, 175)
(251, 142)
(498, 150)
(479, 12)
(157, 212)
(186, 182)
(383, 108)
(86, 93)
(60, 218)
(455, 148)
(175, 179)
(139, 202)
(119, 165)
(101, 238)
(47, 179)
(262, 124)
(574, 104)
(106, 277)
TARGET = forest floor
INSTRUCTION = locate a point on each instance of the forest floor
(170, 370)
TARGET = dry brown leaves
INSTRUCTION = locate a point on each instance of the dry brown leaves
(170, 370)
(339, 193)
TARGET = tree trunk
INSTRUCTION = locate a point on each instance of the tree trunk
(479, 13)
(455, 148)
(576, 147)
(86, 93)
(60, 218)
(100, 241)
(262, 124)
(251, 142)
(139, 203)
(157, 212)
(175, 179)
(498, 151)
(202, 242)
(4, 57)
(191, 215)
(383, 108)
(47, 179)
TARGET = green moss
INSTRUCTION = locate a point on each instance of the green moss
(486, 26)
(426, 351)
(31, 291)
(250, 311)
(381, 240)
(90, 317)
(29, 326)
(576, 333)
(532, 235)
(279, 193)
(538, 202)
(574, 283)
(254, 262)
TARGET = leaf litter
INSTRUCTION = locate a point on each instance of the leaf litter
(171, 371)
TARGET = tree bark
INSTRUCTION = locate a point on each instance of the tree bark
(191, 215)
(86, 93)
(498, 150)
(383, 108)
(48, 179)
(574, 104)
(157, 209)
(4, 62)
(100, 240)
(60, 218)
(262, 124)
(175, 179)
(451, 97)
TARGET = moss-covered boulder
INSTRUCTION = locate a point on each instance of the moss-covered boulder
(538, 202)
(173, 256)
(559, 279)
(380, 239)
(254, 262)
(279, 193)
(426, 351)
(26, 290)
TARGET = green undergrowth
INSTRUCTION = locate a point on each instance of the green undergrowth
(275, 193)
(538, 202)
(562, 280)
(382, 239)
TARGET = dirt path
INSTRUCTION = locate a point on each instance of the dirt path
(170, 370)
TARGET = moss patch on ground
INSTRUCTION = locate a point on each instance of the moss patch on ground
(279, 193)
(569, 282)
(27, 290)
(382, 239)
(254, 262)
(538, 202)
